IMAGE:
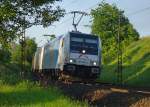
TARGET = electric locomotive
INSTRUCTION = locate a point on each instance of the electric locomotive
(75, 54)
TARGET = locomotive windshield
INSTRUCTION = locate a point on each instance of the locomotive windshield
(80, 42)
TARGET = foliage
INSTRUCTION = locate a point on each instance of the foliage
(16, 53)
(136, 65)
(30, 48)
(18, 14)
(27, 94)
(5, 55)
(10, 73)
(10, 62)
(106, 19)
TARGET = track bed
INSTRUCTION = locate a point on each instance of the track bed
(106, 95)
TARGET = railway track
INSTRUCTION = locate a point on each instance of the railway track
(98, 85)
(99, 94)
(112, 87)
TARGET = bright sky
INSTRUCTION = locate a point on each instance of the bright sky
(138, 12)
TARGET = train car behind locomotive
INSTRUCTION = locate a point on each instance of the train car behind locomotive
(75, 54)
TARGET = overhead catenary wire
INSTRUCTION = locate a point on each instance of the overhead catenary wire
(92, 7)
(89, 8)
(135, 12)
(73, 1)
(139, 11)
(65, 20)
(68, 19)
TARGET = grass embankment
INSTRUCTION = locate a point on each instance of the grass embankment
(136, 65)
(29, 95)
(17, 93)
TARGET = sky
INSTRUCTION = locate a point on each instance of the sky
(138, 12)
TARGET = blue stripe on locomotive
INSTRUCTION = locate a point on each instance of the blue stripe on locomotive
(55, 57)
(50, 57)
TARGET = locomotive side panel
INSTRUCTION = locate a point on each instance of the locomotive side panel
(67, 49)
(33, 62)
(36, 59)
(46, 58)
(51, 55)
(50, 59)
(64, 53)
(40, 59)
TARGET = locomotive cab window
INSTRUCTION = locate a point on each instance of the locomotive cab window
(80, 42)
(91, 41)
(75, 39)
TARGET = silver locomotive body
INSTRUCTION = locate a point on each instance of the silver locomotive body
(75, 53)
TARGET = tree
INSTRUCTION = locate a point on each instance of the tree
(15, 14)
(5, 55)
(105, 23)
(29, 51)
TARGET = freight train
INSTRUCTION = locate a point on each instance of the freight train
(75, 54)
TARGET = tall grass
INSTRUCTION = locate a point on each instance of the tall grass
(27, 94)
(10, 73)
(136, 65)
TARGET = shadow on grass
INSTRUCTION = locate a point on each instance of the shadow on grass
(28, 97)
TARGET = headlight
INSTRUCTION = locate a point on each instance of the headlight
(83, 51)
(94, 63)
(71, 60)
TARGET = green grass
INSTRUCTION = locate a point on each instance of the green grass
(16, 93)
(29, 95)
(10, 73)
(136, 65)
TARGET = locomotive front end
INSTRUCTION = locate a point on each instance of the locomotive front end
(84, 59)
